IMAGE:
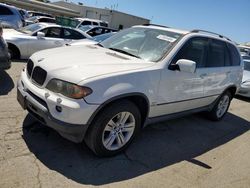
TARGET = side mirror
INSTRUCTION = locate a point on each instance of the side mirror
(186, 65)
(40, 35)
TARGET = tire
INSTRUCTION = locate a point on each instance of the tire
(106, 137)
(221, 107)
(13, 53)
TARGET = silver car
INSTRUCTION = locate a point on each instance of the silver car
(245, 84)
(24, 42)
(10, 16)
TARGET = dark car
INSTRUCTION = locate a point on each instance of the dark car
(4, 55)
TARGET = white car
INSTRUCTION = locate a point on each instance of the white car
(104, 94)
(245, 84)
(24, 42)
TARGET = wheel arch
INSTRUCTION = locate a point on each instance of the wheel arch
(139, 99)
(15, 48)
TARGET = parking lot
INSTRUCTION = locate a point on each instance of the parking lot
(185, 152)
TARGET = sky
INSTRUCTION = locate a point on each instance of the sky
(227, 17)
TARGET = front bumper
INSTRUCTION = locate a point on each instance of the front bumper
(38, 109)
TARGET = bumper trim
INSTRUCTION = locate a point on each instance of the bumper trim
(72, 132)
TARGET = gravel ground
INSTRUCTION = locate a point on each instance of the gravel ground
(185, 152)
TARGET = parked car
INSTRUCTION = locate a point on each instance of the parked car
(105, 94)
(37, 19)
(4, 55)
(10, 16)
(96, 30)
(24, 42)
(24, 13)
(35, 13)
(88, 21)
(245, 84)
(94, 40)
(244, 50)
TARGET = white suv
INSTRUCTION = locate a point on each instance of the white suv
(104, 94)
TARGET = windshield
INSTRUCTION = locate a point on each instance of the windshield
(31, 28)
(102, 37)
(85, 27)
(247, 65)
(145, 43)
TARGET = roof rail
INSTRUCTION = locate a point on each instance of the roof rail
(204, 31)
(156, 25)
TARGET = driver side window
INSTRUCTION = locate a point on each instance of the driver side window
(194, 49)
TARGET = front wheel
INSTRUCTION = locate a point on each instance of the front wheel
(114, 128)
(221, 107)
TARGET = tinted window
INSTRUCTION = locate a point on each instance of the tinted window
(218, 54)
(86, 23)
(96, 31)
(5, 11)
(71, 34)
(95, 23)
(53, 32)
(46, 20)
(103, 24)
(195, 49)
(235, 58)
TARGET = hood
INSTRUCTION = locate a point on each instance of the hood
(83, 42)
(11, 33)
(246, 76)
(78, 63)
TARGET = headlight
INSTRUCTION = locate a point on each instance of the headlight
(68, 89)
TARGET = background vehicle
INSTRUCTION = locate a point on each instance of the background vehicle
(37, 19)
(87, 21)
(245, 84)
(4, 55)
(96, 30)
(104, 94)
(30, 39)
(94, 40)
(35, 13)
(244, 50)
(10, 17)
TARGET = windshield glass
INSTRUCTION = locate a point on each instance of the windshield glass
(247, 65)
(145, 43)
(31, 28)
(102, 37)
(85, 27)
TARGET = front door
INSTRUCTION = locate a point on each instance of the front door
(181, 91)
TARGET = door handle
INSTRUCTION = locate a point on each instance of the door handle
(57, 43)
(203, 75)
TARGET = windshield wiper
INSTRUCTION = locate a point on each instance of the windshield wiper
(124, 52)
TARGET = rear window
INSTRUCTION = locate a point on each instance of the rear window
(235, 57)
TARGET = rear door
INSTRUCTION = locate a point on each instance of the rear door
(220, 70)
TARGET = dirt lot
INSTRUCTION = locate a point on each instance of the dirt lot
(186, 152)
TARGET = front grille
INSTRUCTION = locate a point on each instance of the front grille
(30, 66)
(39, 75)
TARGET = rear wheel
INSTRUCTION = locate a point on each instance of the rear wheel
(114, 128)
(221, 107)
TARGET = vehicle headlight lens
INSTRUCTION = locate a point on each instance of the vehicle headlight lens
(68, 89)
